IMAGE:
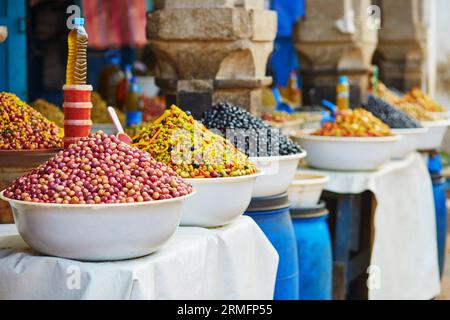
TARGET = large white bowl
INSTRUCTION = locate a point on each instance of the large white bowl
(277, 176)
(306, 189)
(98, 232)
(409, 142)
(346, 153)
(218, 201)
(435, 136)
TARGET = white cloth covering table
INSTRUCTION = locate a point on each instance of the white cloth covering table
(233, 262)
(405, 247)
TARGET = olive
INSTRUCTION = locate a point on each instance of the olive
(226, 116)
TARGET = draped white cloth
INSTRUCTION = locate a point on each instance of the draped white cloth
(233, 262)
(404, 257)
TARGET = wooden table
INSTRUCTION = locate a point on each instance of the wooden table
(3, 33)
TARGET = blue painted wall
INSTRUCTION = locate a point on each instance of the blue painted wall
(13, 52)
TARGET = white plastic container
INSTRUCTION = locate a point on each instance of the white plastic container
(409, 142)
(100, 232)
(148, 86)
(346, 153)
(278, 173)
(435, 136)
(306, 189)
(218, 201)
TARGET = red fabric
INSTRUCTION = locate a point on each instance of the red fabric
(115, 23)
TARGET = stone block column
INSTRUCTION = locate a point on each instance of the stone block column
(402, 47)
(212, 50)
(334, 39)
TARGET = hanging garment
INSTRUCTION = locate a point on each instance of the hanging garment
(284, 58)
(115, 23)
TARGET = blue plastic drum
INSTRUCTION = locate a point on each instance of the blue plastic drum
(314, 253)
(439, 185)
(273, 217)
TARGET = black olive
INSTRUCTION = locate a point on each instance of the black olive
(390, 115)
(225, 116)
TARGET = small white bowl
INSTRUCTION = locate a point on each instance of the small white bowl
(435, 136)
(346, 153)
(278, 174)
(218, 201)
(306, 189)
(101, 232)
(408, 144)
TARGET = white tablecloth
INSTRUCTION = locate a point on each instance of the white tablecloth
(232, 262)
(405, 249)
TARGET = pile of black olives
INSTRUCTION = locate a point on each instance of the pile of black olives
(393, 117)
(247, 132)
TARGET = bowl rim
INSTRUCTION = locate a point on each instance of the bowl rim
(441, 113)
(95, 206)
(308, 136)
(296, 156)
(321, 179)
(224, 179)
(35, 152)
(407, 131)
(437, 123)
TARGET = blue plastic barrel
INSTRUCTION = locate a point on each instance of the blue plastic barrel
(314, 252)
(273, 217)
(439, 185)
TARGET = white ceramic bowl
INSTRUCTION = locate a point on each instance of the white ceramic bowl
(306, 189)
(218, 201)
(435, 136)
(346, 153)
(97, 232)
(409, 142)
(277, 176)
(441, 115)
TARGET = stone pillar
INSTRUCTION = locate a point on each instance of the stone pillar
(334, 39)
(212, 50)
(402, 47)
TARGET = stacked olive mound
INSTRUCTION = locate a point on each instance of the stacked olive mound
(99, 169)
(251, 135)
(418, 109)
(184, 144)
(393, 117)
(49, 110)
(354, 123)
(23, 128)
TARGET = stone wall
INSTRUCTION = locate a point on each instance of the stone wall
(331, 41)
(212, 50)
(402, 48)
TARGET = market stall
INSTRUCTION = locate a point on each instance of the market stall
(403, 260)
(212, 198)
